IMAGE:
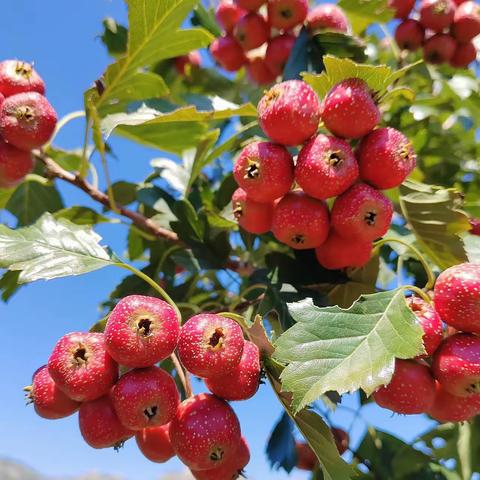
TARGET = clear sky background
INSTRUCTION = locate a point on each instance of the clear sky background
(62, 38)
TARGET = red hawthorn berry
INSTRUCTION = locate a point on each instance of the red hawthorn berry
(456, 364)
(250, 5)
(15, 164)
(193, 59)
(265, 171)
(475, 224)
(342, 439)
(252, 216)
(287, 14)
(437, 15)
(301, 222)
(431, 323)
(464, 55)
(228, 53)
(327, 16)
(306, 458)
(229, 471)
(141, 331)
(339, 252)
(19, 77)
(402, 7)
(410, 35)
(456, 297)
(48, 400)
(145, 397)
(326, 167)
(289, 103)
(205, 432)
(252, 31)
(450, 408)
(439, 49)
(155, 443)
(81, 366)
(362, 213)
(466, 23)
(351, 98)
(259, 73)
(386, 158)
(459, 2)
(228, 15)
(243, 381)
(278, 52)
(411, 390)
(210, 345)
(27, 120)
(100, 426)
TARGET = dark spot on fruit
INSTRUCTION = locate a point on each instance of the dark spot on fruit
(298, 239)
(336, 158)
(370, 218)
(150, 412)
(143, 326)
(25, 113)
(237, 210)
(216, 339)
(80, 355)
(216, 455)
(253, 170)
(286, 13)
(23, 69)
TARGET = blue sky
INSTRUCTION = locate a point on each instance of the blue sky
(62, 39)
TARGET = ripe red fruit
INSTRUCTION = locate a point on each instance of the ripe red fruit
(155, 443)
(306, 458)
(464, 55)
(252, 216)
(205, 432)
(145, 397)
(402, 7)
(342, 439)
(437, 14)
(338, 252)
(27, 120)
(411, 390)
(228, 53)
(278, 52)
(386, 158)
(243, 381)
(351, 98)
(193, 59)
(19, 77)
(259, 73)
(48, 400)
(100, 426)
(439, 49)
(449, 408)
(327, 16)
(141, 331)
(250, 5)
(252, 31)
(459, 2)
(456, 297)
(287, 14)
(301, 222)
(289, 103)
(264, 170)
(431, 323)
(362, 213)
(456, 364)
(466, 23)
(326, 167)
(81, 366)
(228, 14)
(475, 224)
(15, 164)
(230, 470)
(210, 345)
(409, 35)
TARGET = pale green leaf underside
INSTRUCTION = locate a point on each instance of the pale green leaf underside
(363, 13)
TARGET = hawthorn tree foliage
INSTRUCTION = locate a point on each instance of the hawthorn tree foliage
(183, 237)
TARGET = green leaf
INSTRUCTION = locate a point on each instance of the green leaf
(281, 451)
(206, 19)
(9, 284)
(472, 247)
(50, 249)
(115, 37)
(136, 245)
(363, 13)
(125, 193)
(68, 159)
(434, 216)
(83, 216)
(5, 194)
(340, 45)
(332, 349)
(32, 199)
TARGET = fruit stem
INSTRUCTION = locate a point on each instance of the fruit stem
(183, 375)
(85, 160)
(418, 291)
(430, 276)
(62, 122)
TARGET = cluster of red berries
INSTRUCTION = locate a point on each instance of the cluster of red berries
(261, 41)
(27, 120)
(203, 431)
(326, 167)
(185, 62)
(445, 382)
(444, 28)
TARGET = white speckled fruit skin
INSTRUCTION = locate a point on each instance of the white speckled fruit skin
(155, 443)
(255, 217)
(205, 424)
(127, 345)
(450, 408)
(199, 357)
(437, 15)
(141, 389)
(327, 16)
(314, 172)
(298, 13)
(12, 82)
(90, 380)
(252, 31)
